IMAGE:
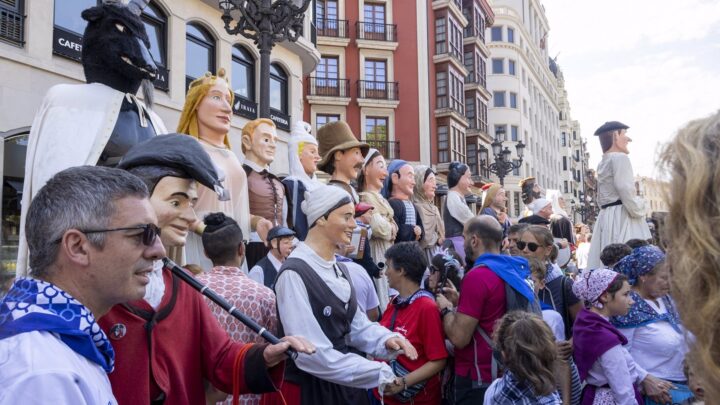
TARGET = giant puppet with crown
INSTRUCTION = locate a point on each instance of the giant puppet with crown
(97, 122)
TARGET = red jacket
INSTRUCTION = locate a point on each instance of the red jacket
(185, 346)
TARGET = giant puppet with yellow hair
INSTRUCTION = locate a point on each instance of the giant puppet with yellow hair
(207, 116)
(265, 190)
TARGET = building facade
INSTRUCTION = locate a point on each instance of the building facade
(653, 191)
(41, 44)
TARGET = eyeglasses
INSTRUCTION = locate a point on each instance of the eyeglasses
(150, 232)
(530, 245)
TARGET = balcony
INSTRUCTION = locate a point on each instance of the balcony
(389, 149)
(11, 27)
(378, 90)
(376, 36)
(332, 28)
(474, 32)
(328, 91)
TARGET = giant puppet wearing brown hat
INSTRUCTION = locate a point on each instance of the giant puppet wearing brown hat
(622, 213)
(342, 155)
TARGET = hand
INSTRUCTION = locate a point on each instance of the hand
(563, 243)
(450, 292)
(400, 343)
(396, 387)
(274, 354)
(440, 241)
(348, 249)
(262, 228)
(442, 302)
(418, 232)
(657, 389)
(501, 217)
(564, 349)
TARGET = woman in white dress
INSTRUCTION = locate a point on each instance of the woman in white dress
(622, 214)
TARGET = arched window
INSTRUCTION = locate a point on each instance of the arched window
(243, 73)
(156, 27)
(199, 52)
(278, 89)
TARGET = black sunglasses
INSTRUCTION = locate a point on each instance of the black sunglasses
(530, 245)
(150, 232)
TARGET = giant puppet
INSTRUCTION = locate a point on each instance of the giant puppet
(97, 122)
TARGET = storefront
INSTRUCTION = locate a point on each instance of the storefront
(12, 149)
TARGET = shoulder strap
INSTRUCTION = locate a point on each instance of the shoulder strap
(494, 365)
(566, 308)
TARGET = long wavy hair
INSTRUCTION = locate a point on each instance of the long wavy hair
(528, 350)
(693, 239)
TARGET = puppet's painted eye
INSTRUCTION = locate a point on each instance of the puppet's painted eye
(120, 27)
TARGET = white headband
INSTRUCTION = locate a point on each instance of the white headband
(320, 200)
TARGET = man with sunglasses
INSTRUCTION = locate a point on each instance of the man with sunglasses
(169, 342)
(92, 236)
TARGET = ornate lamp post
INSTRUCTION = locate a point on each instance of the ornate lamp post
(266, 22)
(503, 165)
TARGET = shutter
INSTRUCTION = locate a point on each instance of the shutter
(11, 21)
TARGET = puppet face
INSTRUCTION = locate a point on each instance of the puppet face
(214, 111)
(546, 211)
(174, 199)
(621, 140)
(349, 162)
(404, 181)
(260, 147)
(430, 186)
(500, 199)
(465, 182)
(309, 158)
(376, 172)
(340, 224)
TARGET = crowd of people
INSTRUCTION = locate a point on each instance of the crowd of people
(377, 293)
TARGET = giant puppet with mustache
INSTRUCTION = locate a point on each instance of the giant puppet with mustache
(265, 191)
(97, 122)
(342, 155)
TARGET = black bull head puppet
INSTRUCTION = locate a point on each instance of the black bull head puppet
(116, 47)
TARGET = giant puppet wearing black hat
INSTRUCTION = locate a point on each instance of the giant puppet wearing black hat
(622, 212)
(97, 122)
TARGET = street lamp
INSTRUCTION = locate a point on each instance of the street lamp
(503, 164)
(266, 22)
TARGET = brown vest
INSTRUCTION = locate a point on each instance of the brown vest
(266, 194)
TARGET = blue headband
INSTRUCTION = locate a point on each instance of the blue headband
(394, 167)
(641, 261)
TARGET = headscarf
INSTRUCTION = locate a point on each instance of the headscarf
(197, 91)
(490, 190)
(300, 134)
(421, 174)
(538, 204)
(641, 261)
(394, 167)
(592, 284)
(323, 200)
(554, 197)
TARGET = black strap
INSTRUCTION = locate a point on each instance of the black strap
(566, 309)
(612, 204)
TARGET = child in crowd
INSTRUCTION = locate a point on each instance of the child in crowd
(528, 353)
(612, 253)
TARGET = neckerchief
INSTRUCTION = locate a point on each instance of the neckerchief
(36, 305)
(512, 391)
(641, 314)
(513, 270)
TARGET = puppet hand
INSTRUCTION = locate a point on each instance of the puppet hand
(262, 228)
(400, 343)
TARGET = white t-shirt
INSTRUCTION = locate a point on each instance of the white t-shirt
(555, 321)
(38, 368)
(364, 288)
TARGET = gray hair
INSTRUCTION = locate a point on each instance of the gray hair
(76, 198)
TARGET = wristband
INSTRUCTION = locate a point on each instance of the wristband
(404, 383)
(445, 311)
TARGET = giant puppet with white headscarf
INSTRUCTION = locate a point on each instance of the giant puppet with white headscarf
(98, 122)
(303, 158)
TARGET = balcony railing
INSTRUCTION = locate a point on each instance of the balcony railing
(472, 31)
(378, 90)
(11, 26)
(389, 149)
(332, 28)
(475, 77)
(376, 31)
(328, 87)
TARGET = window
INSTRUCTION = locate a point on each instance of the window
(12, 22)
(278, 88)
(155, 26)
(443, 144)
(67, 14)
(513, 100)
(565, 188)
(516, 203)
(199, 52)
(514, 133)
(565, 165)
(456, 39)
(470, 111)
(322, 119)
(327, 75)
(563, 141)
(440, 35)
(376, 128)
(457, 93)
(325, 10)
(441, 89)
(511, 67)
(458, 144)
(374, 24)
(510, 35)
(498, 66)
(496, 34)
(516, 171)
(375, 79)
(472, 157)
(498, 99)
(482, 115)
(243, 73)
(574, 136)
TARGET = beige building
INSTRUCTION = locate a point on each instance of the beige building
(40, 46)
(653, 191)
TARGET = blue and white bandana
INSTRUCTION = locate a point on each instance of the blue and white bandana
(641, 314)
(641, 261)
(35, 305)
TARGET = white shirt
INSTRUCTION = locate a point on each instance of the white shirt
(327, 363)
(365, 293)
(581, 254)
(555, 322)
(657, 347)
(617, 368)
(457, 207)
(38, 368)
(257, 274)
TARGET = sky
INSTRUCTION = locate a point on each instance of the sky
(651, 64)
